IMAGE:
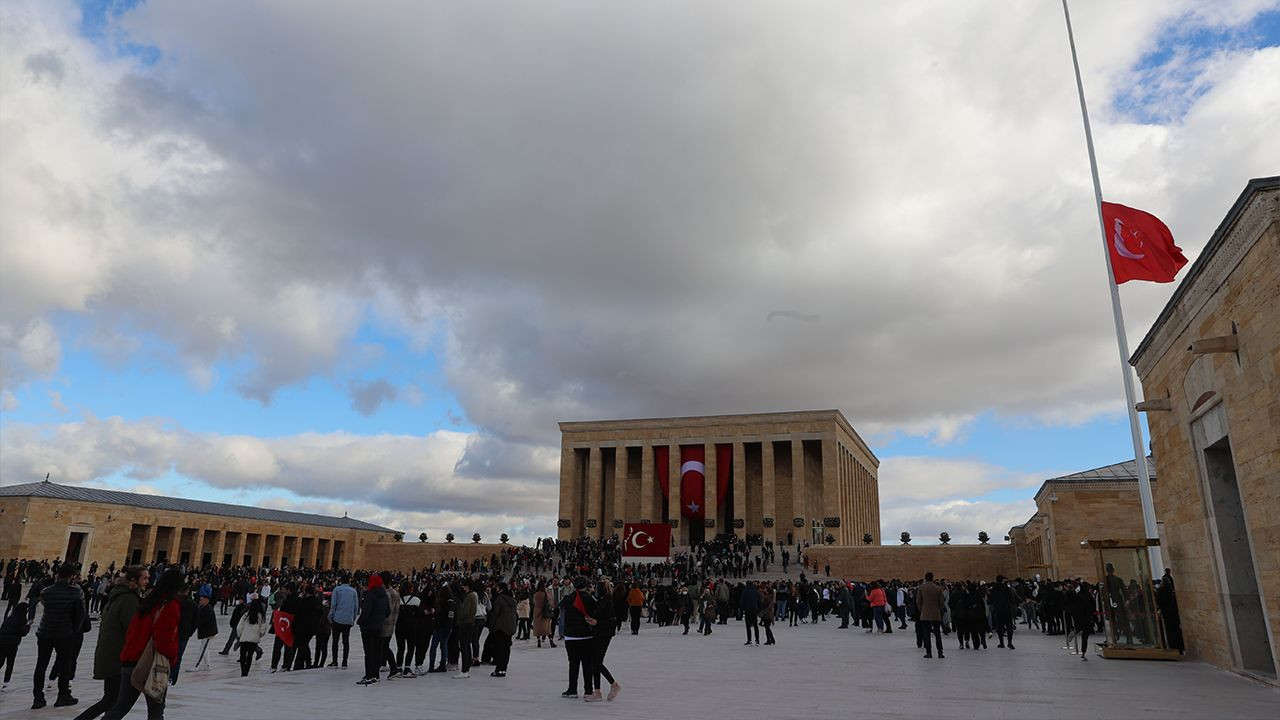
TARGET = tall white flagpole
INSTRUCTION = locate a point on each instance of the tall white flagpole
(1122, 343)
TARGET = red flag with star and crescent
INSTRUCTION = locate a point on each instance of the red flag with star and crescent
(646, 542)
(1141, 246)
(282, 623)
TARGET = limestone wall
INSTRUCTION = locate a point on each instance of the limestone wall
(951, 562)
(406, 556)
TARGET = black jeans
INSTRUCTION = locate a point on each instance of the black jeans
(128, 695)
(110, 693)
(231, 641)
(580, 654)
(341, 632)
(466, 636)
(7, 656)
(247, 651)
(45, 648)
(932, 631)
(635, 620)
(371, 641)
(600, 648)
(751, 617)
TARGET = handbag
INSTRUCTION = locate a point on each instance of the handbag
(151, 674)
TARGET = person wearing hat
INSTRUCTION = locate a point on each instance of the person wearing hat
(206, 627)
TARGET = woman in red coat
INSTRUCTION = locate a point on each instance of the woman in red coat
(156, 621)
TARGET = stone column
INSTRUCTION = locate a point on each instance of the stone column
(766, 488)
(620, 487)
(175, 544)
(570, 493)
(799, 508)
(831, 484)
(149, 547)
(739, 488)
(647, 511)
(197, 549)
(219, 547)
(709, 497)
(673, 487)
(595, 491)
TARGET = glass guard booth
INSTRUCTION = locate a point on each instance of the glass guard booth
(1126, 597)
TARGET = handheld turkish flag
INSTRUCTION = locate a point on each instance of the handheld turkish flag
(1141, 246)
(282, 622)
(646, 542)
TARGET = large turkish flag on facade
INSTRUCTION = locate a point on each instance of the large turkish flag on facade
(646, 542)
(693, 471)
(1141, 246)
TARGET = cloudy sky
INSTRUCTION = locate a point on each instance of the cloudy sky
(362, 257)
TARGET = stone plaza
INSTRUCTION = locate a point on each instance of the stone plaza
(813, 671)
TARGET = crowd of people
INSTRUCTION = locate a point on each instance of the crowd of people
(462, 615)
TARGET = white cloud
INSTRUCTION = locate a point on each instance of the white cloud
(591, 212)
(55, 402)
(8, 401)
(926, 496)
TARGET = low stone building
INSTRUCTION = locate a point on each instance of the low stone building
(1210, 373)
(1097, 504)
(45, 520)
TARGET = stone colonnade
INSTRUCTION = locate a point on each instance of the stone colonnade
(807, 474)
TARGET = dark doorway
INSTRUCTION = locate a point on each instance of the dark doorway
(135, 557)
(1241, 591)
(75, 547)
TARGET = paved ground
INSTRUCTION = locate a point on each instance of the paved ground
(812, 672)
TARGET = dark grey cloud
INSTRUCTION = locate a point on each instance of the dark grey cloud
(368, 397)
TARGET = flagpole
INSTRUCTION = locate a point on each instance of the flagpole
(1122, 343)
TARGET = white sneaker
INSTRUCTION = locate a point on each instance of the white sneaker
(417, 670)
(461, 676)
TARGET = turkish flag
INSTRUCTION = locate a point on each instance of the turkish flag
(1141, 246)
(282, 622)
(693, 470)
(646, 542)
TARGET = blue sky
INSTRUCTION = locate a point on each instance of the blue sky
(470, 334)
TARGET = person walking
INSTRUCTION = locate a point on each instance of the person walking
(1003, 601)
(155, 622)
(601, 634)
(929, 604)
(373, 613)
(877, 600)
(344, 605)
(251, 628)
(15, 627)
(236, 614)
(64, 615)
(524, 616)
(767, 610)
(116, 614)
(635, 604)
(206, 630)
(544, 612)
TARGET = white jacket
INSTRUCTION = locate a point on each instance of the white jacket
(252, 632)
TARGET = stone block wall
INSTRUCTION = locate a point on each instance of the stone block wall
(911, 562)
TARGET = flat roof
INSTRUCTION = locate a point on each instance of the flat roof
(57, 491)
(713, 420)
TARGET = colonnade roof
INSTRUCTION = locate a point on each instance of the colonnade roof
(76, 493)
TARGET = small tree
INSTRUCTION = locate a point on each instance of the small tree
(448, 538)
(422, 537)
(983, 537)
(945, 538)
(503, 538)
(398, 536)
(866, 538)
(475, 538)
(905, 537)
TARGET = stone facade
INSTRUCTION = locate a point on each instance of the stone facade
(1098, 504)
(1210, 373)
(48, 528)
(911, 562)
(805, 472)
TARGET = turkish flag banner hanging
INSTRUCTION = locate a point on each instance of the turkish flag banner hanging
(693, 472)
(646, 542)
(1141, 246)
(282, 623)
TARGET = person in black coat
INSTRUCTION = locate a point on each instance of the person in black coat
(374, 611)
(186, 628)
(63, 619)
(579, 608)
(15, 627)
(601, 635)
(749, 605)
(206, 630)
